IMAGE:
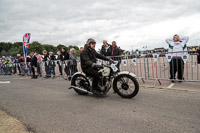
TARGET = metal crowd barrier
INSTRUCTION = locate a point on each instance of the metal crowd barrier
(64, 69)
(155, 66)
(159, 68)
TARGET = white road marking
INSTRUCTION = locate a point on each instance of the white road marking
(20, 78)
(13, 78)
(171, 85)
(4, 82)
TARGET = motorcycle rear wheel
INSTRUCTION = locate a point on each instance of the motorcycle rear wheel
(80, 81)
(124, 88)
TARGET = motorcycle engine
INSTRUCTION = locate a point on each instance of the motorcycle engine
(105, 71)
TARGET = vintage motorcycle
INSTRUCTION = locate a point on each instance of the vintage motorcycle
(123, 83)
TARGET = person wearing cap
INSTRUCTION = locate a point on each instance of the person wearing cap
(176, 47)
(88, 62)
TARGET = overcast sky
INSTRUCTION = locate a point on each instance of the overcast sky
(132, 24)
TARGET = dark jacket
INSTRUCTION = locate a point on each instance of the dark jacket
(46, 57)
(33, 61)
(58, 58)
(21, 59)
(106, 51)
(28, 59)
(64, 56)
(198, 56)
(52, 58)
(88, 57)
(116, 52)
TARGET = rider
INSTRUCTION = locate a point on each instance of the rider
(88, 62)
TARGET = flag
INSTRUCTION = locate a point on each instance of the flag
(26, 39)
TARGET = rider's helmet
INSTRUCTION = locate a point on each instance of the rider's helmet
(91, 41)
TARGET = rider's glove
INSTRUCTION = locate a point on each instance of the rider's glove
(94, 65)
(111, 61)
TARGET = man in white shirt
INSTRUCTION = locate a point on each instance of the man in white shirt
(177, 46)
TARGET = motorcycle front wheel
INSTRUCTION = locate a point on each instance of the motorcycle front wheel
(126, 86)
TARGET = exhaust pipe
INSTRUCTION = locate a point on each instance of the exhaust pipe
(78, 88)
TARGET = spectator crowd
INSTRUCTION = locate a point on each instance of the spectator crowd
(66, 61)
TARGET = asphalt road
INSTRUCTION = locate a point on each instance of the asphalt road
(47, 106)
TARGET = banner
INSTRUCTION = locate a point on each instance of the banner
(115, 62)
(107, 62)
(185, 57)
(99, 61)
(134, 61)
(155, 57)
(124, 62)
(169, 57)
(26, 39)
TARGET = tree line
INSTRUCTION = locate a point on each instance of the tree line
(12, 49)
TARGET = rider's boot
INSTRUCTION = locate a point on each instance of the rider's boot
(96, 89)
(101, 88)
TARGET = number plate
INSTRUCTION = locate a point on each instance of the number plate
(114, 68)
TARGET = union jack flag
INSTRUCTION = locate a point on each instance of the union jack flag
(26, 39)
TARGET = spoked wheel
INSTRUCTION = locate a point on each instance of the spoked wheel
(82, 82)
(126, 86)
